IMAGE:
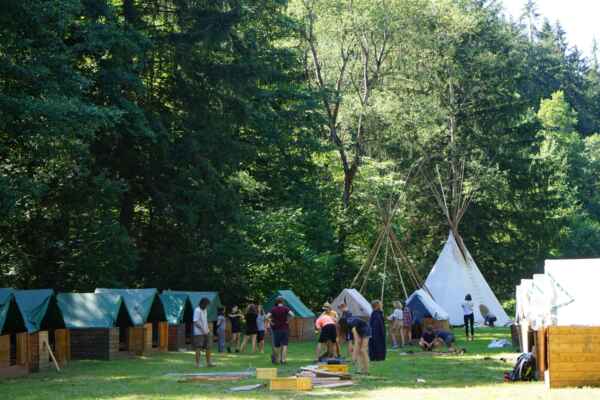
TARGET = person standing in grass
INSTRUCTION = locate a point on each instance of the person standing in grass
(261, 326)
(346, 335)
(220, 328)
(397, 321)
(201, 339)
(407, 321)
(469, 317)
(361, 332)
(235, 318)
(326, 325)
(251, 327)
(279, 317)
(377, 348)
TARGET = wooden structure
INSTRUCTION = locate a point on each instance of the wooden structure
(95, 322)
(178, 311)
(146, 312)
(569, 356)
(435, 324)
(294, 384)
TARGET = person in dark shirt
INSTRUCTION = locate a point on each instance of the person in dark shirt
(443, 337)
(427, 339)
(251, 327)
(235, 318)
(278, 317)
(377, 347)
(346, 336)
(361, 331)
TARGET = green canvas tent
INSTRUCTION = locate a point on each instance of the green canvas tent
(292, 301)
(91, 310)
(38, 309)
(142, 304)
(11, 320)
(177, 307)
(195, 297)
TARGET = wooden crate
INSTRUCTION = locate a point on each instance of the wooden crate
(62, 346)
(291, 384)
(573, 356)
(337, 368)
(266, 373)
(163, 336)
(136, 336)
(5, 351)
(36, 353)
(177, 337)
(94, 343)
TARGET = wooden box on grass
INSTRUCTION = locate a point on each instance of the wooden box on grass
(573, 356)
(291, 384)
(94, 343)
(177, 337)
(336, 368)
(266, 373)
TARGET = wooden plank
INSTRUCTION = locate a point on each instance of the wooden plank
(4, 351)
(575, 358)
(575, 366)
(541, 352)
(163, 336)
(577, 339)
(23, 349)
(62, 346)
(147, 337)
(570, 330)
(572, 348)
(565, 383)
(136, 338)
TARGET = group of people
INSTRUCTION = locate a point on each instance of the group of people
(256, 324)
(365, 340)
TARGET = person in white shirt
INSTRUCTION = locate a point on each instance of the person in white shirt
(396, 318)
(201, 339)
(469, 317)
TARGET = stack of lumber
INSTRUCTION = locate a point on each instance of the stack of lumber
(322, 378)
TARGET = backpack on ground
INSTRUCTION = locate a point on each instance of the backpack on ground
(524, 369)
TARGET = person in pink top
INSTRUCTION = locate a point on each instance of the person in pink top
(326, 325)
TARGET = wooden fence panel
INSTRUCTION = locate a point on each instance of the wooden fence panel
(573, 356)
(136, 338)
(5, 351)
(62, 346)
(163, 336)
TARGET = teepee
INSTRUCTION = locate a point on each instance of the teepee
(455, 274)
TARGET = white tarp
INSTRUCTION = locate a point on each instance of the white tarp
(452, 277)
(436, 311)
(574, 291)
(539, 301)
(357, 304)
(523, 299)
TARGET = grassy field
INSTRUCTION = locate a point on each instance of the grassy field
(475, 375)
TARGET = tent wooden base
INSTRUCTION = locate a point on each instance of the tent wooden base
(23, 353)
(176, 337)
(95, 343)
(569, 356)
(140, 338)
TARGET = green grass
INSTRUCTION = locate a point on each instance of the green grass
(470, 376)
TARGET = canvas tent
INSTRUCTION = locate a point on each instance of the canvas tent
(178, 310)
(455, 275)
(10, 317)
(146, 312)
(423, 306)
(357, 304)
(302, 325)
(96, 322)
(195, 297)
(573, 291)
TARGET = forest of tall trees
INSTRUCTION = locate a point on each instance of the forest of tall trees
(248, 145)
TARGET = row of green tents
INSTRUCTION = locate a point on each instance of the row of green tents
(34, 310)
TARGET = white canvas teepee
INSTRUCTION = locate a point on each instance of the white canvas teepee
(454, 276)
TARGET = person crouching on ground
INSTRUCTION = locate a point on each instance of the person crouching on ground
(202, 340)
(427, 339)
(280, 330)
(326, 325)
(347, 334)
(396, 319)
(361, 331)
(443, 337)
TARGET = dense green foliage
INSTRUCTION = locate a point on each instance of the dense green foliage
(248, 145)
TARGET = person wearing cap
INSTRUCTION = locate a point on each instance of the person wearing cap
(279, 319)
(326, 325)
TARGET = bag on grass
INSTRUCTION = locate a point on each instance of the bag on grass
(524, 369)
